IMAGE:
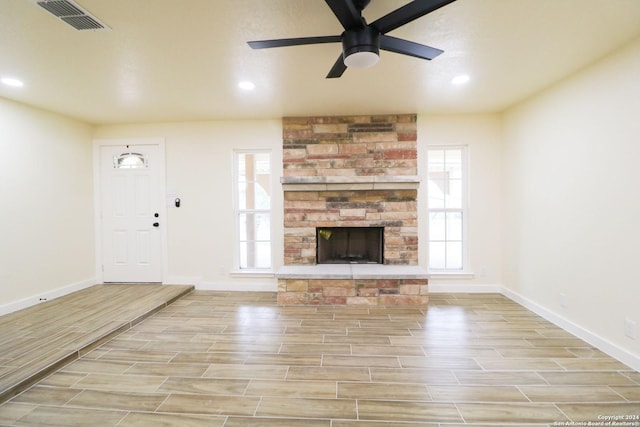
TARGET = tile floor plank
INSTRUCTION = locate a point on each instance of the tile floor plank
(307, 408)
(408, 411)
(510, 412)
(145, 419)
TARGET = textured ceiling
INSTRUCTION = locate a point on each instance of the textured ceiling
(172, 61)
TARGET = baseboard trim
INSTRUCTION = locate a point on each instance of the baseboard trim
(457, 288)
(258, 286)
(606, 346)
(49, 295)
(182, 280)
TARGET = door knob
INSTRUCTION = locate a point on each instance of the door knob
(156, 224)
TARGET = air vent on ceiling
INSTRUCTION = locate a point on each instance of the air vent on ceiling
(72, 14)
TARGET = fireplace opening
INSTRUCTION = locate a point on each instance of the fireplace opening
(349, 245)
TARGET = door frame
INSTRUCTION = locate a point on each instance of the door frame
(97, 188)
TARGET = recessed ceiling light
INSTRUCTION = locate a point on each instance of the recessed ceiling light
(10, 81)
(460, 80)
(246, 85)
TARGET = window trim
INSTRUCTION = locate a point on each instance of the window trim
(465, 271)
(237, 269)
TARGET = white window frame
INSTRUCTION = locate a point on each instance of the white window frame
(464, 210)
(237, 212)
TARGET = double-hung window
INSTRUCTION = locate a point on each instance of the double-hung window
(253, 209)
(447, 208)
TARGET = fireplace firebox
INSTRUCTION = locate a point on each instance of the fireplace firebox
(349, 245)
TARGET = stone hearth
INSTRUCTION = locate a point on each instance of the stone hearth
(355, 171)
(353, 284)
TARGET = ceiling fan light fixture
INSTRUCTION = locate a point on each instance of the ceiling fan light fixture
(363, 59)
(361, 47)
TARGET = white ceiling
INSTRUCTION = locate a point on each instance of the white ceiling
(167, 60)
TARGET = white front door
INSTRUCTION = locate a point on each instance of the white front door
(130, 202)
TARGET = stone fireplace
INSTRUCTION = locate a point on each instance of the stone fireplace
(351, 178)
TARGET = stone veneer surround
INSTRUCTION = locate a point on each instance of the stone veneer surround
(353, 171)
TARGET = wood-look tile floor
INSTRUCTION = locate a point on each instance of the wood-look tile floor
(238, 359)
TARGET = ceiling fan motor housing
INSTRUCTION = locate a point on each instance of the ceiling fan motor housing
(365, 39)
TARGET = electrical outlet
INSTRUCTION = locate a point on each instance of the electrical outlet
(630, 328)
(563, 300)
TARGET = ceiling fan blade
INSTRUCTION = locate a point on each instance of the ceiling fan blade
(264, 44)
(405, 47)
(346, 13)
(407, 13)
(338, 69)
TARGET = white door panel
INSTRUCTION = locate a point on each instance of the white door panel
(130, 210)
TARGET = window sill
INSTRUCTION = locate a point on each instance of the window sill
(253, 273)
(451, 274)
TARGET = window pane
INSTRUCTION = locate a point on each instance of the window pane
(242, 227)
(454, 256)
(262, 255)
(255, 254)
(242, 195)
(453, 156)
(253, 195)
(454, 170)
(454, 226)
(254, 181)
(437, 226)
(437, 255)
(262, 224)
(435, 157)
(263, 163)
(243, 254)
(436, 189)
(129, 161)
(255, 226)
(453, 199)
(262, 193)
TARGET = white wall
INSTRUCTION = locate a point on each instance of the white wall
(481, 133)
(46, 199)
(200, 170)
(571, 170)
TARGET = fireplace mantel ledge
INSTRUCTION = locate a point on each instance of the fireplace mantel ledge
(352, 271)
(332, 183)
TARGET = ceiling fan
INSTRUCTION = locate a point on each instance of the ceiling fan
(361, 42)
